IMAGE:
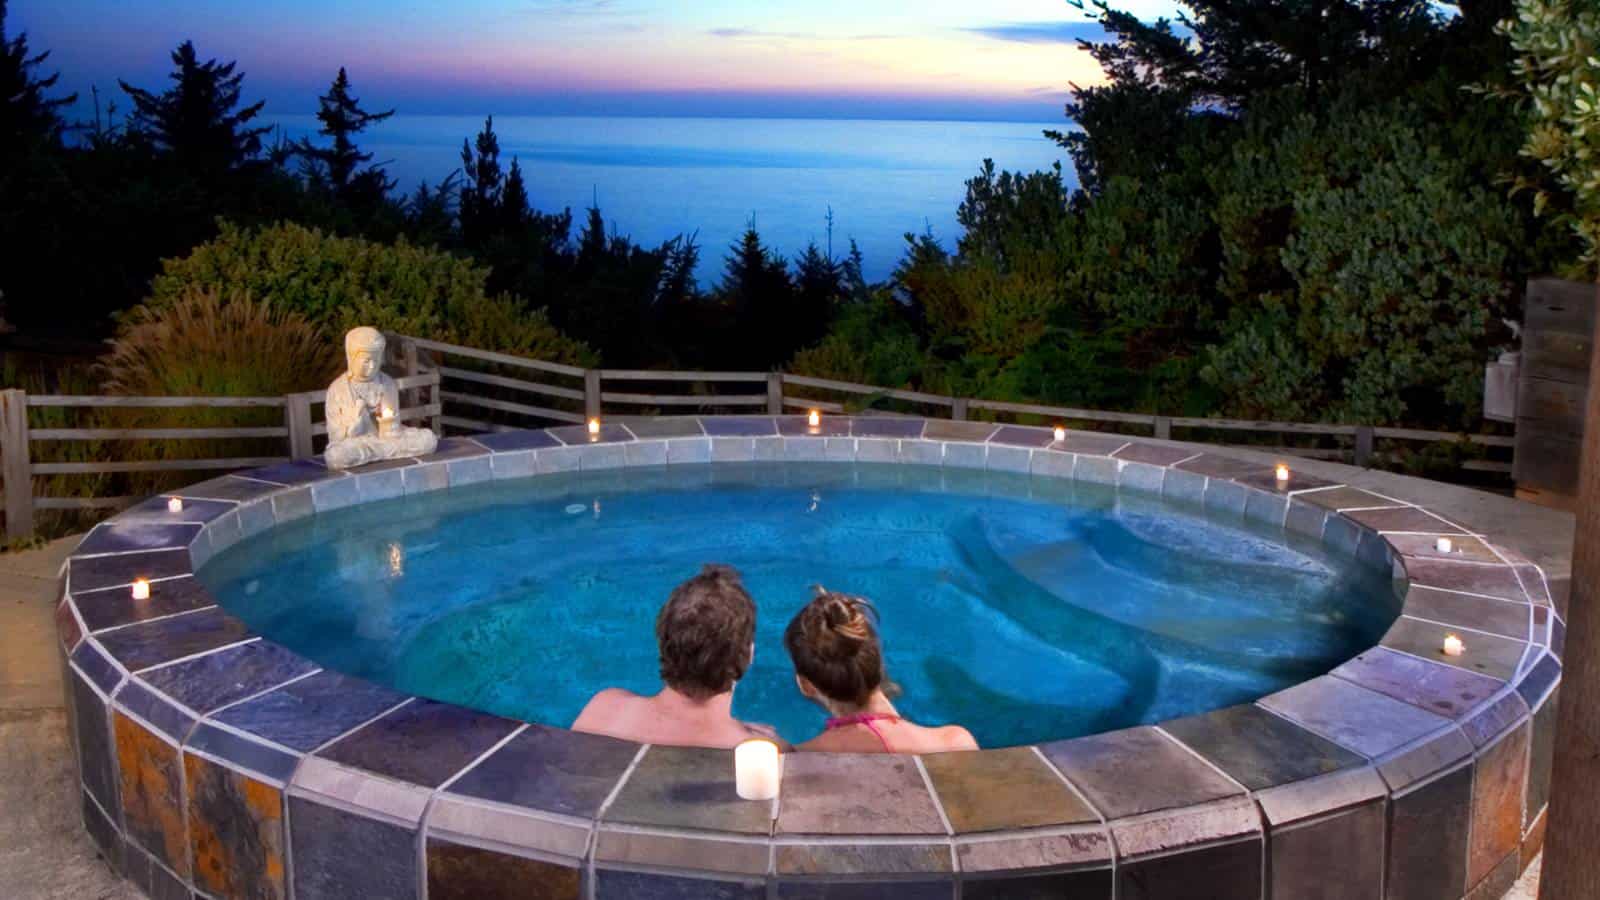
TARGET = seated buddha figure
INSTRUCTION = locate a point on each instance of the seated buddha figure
(363, 407)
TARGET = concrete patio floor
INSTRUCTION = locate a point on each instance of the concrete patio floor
(44, 853)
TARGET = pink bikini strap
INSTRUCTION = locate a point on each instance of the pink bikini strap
(865, 719)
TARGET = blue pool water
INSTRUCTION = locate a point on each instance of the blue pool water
(1025, 610)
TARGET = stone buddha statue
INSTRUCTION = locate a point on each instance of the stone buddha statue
(363, 408)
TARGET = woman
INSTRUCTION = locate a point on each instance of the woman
(838, 664)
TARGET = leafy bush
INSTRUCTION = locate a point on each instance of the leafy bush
(339, 283)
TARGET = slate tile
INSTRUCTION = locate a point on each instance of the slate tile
(1539, 679)
(291, 473)
(1259, 749)
(1497, 790)
(1268, 509)
(1489, 579)
(163, 640)
(865, 890)
(424, 742)
(236, 830)
(1491, 720)
(92, 573)
(338, 855)
(290, 505)
(1089, 443)
(1302, 801)
(740, 426)
(68, 631)
(1022, 436)
(1502, 617)
(466, 448)
(151, 790)
(1140, 477)
(550, 769)
(1095, 470)
(1440, 689)
(1137, 770)
(1153, 454)
(1498, 882)
(228, 487)
(1267, 480)
(1220, 872)
(1222, 467)
(1486, 654)
(1404, 519)
(96, 752)
(994, 790)
(229, 675)
(460, 872)
(634, 848)
(1358, 719)
(1305, 520)
(1463, 549)
(154, 510)
(947, 430)
(506, 441)
(1428, 840)
(1094, 884)
(687, 787)
(101, 832)
(97, 667)
(1184, 487)
(249, 755)
(1341, 535)
(862, 859)
(1087, 846)
(1330, 859)
(1225, 498)
(154, 710)
(840, 793)
(612, 884)
(832, 425)
(886, 426)
(111, 607)
(1345, 497)
(312, 711)
(1541, 757)
(658, 427)
(117, 536)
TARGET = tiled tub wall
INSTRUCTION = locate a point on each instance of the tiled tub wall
(216, 763)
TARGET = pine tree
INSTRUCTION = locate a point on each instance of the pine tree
(198, 120)
(757, 289)
(342, 119)
(515, 206)
(592, 243)
(25, 111)
(481, 186)
(819, 288)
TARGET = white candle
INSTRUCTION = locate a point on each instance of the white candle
(1283, 472)
(756, 769)
(1453, 646)
(141, 590)
(1443, 545)
(1061, 433)
(386, 422)
(174, 504)
(594, 427)
(814, 418)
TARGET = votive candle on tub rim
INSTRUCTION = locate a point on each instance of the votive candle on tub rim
(1283, 472)
(1060, 433)
(594, 427)
(1453, 646)
(757, 769)
(174, 504)
(814, 418)
(141, 589)
(1444, 545)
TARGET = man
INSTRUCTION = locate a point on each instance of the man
(706, 635)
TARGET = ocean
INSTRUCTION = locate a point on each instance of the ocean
(658, 177)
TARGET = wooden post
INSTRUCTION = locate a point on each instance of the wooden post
(297, 416)
(1364, 446)
(409, 366)
(591, 393)
(774, 393)
(1571, 865)
(958, 410)
(15, 464)
(1163, 425)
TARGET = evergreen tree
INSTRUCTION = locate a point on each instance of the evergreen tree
(514, 203)
(592, 246)
(342, 119)
(198, 120)
(757, 290)
(481, 186)
(25, 110)
(819, 287)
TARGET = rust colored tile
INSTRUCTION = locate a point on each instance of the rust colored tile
(152, 794)
(459, 872)
(67, 626)
(991, 790)
(236, 830)
(1497, 803)
(1428, 840)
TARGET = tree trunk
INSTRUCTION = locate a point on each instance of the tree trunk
(1572, 838)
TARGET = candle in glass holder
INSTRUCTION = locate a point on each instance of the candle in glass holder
(386, 422)
(594, 427)
(1283, 472)
(1444, 545)
(1453, 646)
(1060, 433)
(756, 769)
(174, 504)
(141, 589)
(814, 418)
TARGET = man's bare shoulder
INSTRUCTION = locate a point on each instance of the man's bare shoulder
(606, 708)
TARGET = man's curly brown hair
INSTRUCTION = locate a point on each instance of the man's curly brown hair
(704, 633)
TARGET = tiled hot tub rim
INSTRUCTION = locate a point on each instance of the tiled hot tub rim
(212, 759)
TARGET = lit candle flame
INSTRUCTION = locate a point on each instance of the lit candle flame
(141, 589)
(1444, 545)
(174, 504)
(814, 418)
(1283, 472)
(1061, 433)
(1453, 646)
(594, 426)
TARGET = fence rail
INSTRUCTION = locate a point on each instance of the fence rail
(464, 389)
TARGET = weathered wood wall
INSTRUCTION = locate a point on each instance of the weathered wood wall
(1557, 340)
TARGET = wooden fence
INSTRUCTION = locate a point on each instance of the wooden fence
(465, 390)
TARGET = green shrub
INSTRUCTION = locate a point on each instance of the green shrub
(339, 283)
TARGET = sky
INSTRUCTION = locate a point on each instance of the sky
(934, 59)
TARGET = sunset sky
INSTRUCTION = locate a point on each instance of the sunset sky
(999, 59)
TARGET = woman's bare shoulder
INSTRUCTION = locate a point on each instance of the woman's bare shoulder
(952, 738)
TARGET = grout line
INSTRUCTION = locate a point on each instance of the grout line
(1463, 628)
(938, 804)
(344, 734)
(192, 656)
(110, 629)
(1209, 764)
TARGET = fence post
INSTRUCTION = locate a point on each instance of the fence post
(1364, 446)
(1163, 428)
(774, 393)
(958, 409)
(591, 393)
(17, 469)
(297, 416)
(408, 365)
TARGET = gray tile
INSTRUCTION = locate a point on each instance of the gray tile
(1361, 720)
(1137, 770)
